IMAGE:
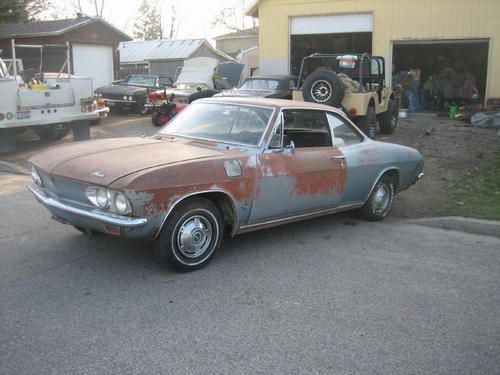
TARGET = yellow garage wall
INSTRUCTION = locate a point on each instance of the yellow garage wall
(393, 20)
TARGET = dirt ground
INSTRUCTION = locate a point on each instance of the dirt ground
(451, 150)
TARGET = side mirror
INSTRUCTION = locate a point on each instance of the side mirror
(290, 147)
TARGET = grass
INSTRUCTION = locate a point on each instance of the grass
(477, 195)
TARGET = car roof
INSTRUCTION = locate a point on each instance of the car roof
(268, 102)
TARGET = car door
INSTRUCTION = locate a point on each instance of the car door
(361, 157)
(300, 170)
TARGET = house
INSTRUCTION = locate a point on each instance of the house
(425, 36)
(164, 57)
(93, 46)
(235, 42)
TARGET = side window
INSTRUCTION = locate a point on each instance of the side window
(342, 133)
(307, 128)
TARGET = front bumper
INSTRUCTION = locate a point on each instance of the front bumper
(87, 218)
(121, 101)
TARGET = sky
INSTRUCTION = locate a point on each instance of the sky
(196, 16)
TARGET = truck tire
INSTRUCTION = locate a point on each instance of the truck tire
(324, 87)
(368, 123)
(52, 133)
(140, 106)
(389, 119)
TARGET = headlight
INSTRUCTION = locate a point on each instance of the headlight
(35, 176)
(102, 198)
(124, 97)
(122, 204)
(110, 200)
(130, 97)
(99, 197)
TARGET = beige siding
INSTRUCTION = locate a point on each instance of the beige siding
(393, 20)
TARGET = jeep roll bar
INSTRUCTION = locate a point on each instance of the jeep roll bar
(357, 57)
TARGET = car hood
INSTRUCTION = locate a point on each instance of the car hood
(120, 90)
(247, 93)
(115, 158)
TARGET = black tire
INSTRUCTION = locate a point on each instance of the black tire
(208, 231)
(140, 106)
(389, 119)
(380, 201)
(323, 86)
(368, 123)
(155, 119)
(207, 93)
(52, 133)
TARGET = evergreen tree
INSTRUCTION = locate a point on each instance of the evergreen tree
(14, 11)
(148, 25)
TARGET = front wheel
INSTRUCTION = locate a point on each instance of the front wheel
(190, 236)
(140, 107)
(380, 201)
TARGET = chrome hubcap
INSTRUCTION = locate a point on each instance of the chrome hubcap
(381, 199)
(194, 236)
(321, 91)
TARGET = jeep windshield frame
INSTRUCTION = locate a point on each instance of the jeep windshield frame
(356, 73)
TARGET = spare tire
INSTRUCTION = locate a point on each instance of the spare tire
(324, 87)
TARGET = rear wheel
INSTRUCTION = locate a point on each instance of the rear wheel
(52, 133)
(389, 119)
(380, 201)
(191, 235)
(368, 123)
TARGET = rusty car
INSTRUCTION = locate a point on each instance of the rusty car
(223, 165)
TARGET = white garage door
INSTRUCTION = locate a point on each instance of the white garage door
(340, 23)
(94, 61)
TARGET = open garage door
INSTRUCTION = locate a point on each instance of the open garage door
(444, 72)
(94, 61)
(344, 33)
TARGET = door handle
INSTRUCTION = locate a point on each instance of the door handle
(339, 157)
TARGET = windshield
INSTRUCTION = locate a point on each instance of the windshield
(141, 81)
(226, 123)
(260, 84)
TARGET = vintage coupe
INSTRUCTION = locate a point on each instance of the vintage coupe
(222, 165)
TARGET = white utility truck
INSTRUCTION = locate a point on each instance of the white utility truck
(49, 103)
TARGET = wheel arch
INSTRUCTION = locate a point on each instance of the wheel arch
(223, 200)
(393, 172)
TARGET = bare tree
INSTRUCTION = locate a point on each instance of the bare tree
(172, 23)
(233, 18)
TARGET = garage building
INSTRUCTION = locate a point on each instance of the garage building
(425, 37)
(93, 43)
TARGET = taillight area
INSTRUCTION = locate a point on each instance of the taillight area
(352, 112)
(157, 96)
(2, 116)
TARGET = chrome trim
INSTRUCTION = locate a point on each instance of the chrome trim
(184, 197)
(118, 100)
(420, 175)
(292, 218)
(107, 218)
(338, 157)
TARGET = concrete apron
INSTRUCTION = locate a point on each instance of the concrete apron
(463, 224)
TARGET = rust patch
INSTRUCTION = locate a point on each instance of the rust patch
(313, 172)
